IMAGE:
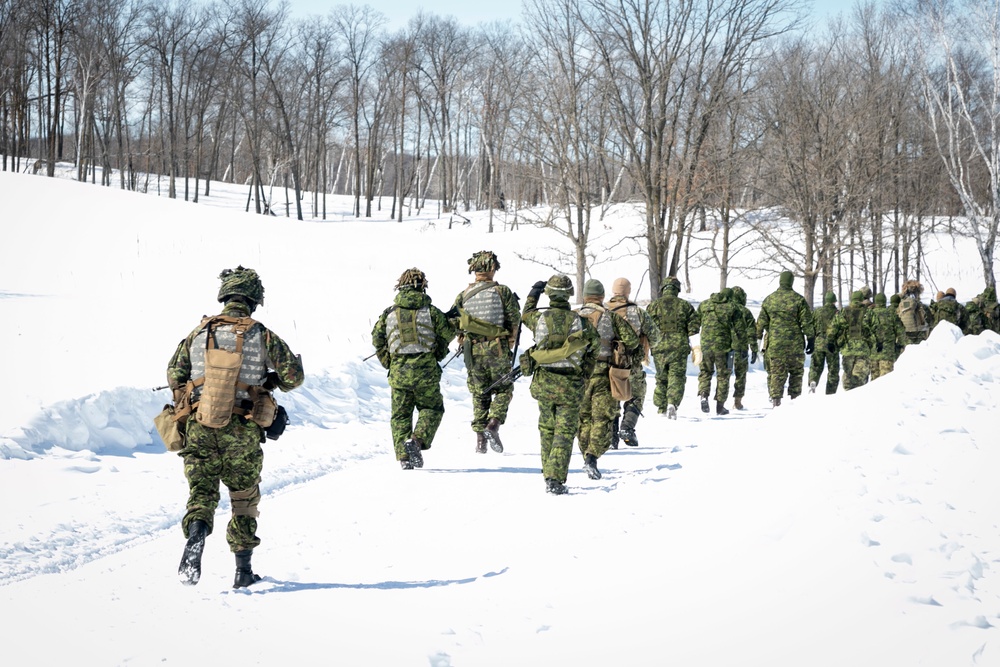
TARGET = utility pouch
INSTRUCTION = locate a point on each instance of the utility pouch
(218, 394)
(277, 427)
(621, 385)
(265, 409)
(169, 430)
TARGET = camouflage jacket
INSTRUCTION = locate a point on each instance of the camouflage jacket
(677, 321)
(746, 333)
(287, 367)
(720, 322)
(407, 369)
(642, 324)
(561, 386)
(950, 310)
(853, 331)
(788, 320)
(823, 318)
(890, 332)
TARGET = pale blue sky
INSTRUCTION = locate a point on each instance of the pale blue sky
(471, 12)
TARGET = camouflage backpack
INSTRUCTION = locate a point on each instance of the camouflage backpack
(912, 315)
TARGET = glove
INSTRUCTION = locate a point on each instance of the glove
(453, 313)
(878, 346)
(831, 347)
(753, 356)
(536, 289)
(271, 381)
(810, 344)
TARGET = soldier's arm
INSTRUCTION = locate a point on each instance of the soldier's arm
(445, 332)
(288, 373)
(763, 320)
(590, 356)
(806, 321)
(511, 309)
(624, 331)
(694, 321)
(649, 328)
(179, 366)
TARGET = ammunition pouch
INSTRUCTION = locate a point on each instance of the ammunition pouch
(169, 429)
(277, 426)
(264, 407)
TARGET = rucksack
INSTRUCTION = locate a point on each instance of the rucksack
(912, 315)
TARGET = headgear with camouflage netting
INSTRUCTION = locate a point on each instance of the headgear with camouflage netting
(483, 261)
(413, 279)
(559, 287)
(241, 282)
(912, 287)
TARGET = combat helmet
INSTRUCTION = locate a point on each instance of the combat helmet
(484, 261)
(241, 282)
(412, 279)
(559, 287)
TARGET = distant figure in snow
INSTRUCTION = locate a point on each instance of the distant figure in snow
(787, 319)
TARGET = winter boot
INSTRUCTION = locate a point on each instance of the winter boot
(492, 434)
(555, 487)
(812, 387)
(413, 450)
(720, 408)
(405, 464)
(672, 412)
(590, 465)
(480, 443)
(189, 571)
(704, 403)
(244, 575)
(627, 431)
(775, 402)
(738, 403)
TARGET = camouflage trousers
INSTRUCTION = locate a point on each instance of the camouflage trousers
(741, 364)
(426, 399)
(821, 356)
(882, 367)
(231, 455)
(856, 370)
(632, 408)
(485, 370)
(597, 413)
(782, 368)
(558, 399)
(713, 362)
(671, 376)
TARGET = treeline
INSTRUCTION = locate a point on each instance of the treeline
(866, 132)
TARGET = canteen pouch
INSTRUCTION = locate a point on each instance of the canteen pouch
(621, 386)
(218, 394)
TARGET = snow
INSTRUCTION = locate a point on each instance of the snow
(854, 529)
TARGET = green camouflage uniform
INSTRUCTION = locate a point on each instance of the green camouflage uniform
(649, 336)
(677, 321)
(977, 318)
(746, 337)
(786, 317)
(853, 330)
(231, 454)
(559, 391)
(823, 354)
(889, 332)
(488, 356)
(991, 309)
(414, 378)
(599, 408)
(720, 322)
(948, 309)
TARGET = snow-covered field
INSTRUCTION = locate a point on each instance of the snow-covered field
(855, 529)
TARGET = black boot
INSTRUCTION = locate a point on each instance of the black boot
(615, 433)
(493, 435)
(555, 487)
(244, 575)
(720, 408)
(704, 403)
(480, 442)
(590, 465)
(414, 452)
(189, 570)
(630, 417)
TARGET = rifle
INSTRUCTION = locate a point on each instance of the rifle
(509, 377)
(452, 358)
(369, 356)
(166, 386)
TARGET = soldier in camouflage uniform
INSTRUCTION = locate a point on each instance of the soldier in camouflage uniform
(599, 407)
(853, 331)
(915, 315)
(410, 338)
(990, 308)
(822, 354)
(720, 322)
(787, 319)
(889, 332)
(230, 453)
(488, 319)
(949, 309)
(649, 335)
(746, 336)
(677, 321)
(560, 361)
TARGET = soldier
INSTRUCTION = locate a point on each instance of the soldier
(890, 334)
(976, 316)
(720, 321)
(649, 336)
(599, 407)
(853, 331)
(991, 309)
(949, 309)
(222, 376)
(822, 354)
(560, 361)
(677, 321)
(746, 335)
(915, 316)
(410, 338)
(786, 317)
(489, 317)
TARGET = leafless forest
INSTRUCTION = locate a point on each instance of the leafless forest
(712, 116)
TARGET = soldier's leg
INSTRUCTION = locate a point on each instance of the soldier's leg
(502, 397)
(586, 414)
(832, 372)
(203, 469)
(740, 367)
(816, 366)
(546, 429)
(847, 364)
(401, 419)
(566, 418)
(796, 370)
(632, 408)
(705, 371)
(477, 382)
(662, 381)
(243, 462)
(677, 375)
(722, 378)
(430, 410)
(862, 369)
(603, 408)
(776, 374)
